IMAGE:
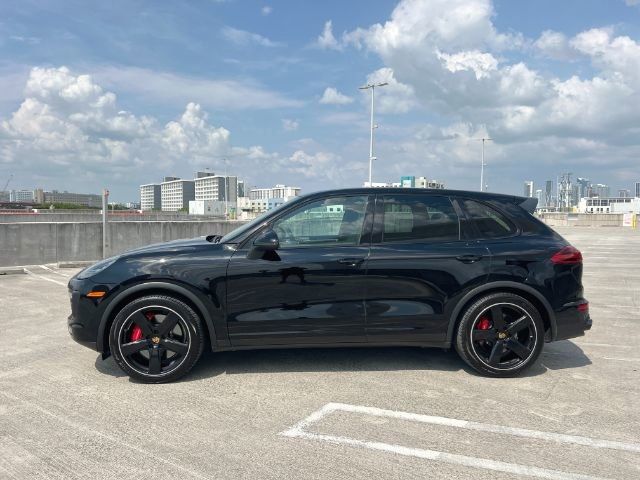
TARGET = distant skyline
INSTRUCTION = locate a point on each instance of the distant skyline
(122, 93)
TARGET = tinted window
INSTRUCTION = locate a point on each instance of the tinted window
(330, 221)
(489, 223)
(419, 217)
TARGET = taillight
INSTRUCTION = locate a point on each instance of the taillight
(567, 256)
(583, 307)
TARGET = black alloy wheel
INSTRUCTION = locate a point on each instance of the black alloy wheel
(500, 335)
(156, 339)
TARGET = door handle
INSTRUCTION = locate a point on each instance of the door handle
(469, 258)
(351, 262)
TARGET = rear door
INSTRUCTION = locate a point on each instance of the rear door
(419, 261)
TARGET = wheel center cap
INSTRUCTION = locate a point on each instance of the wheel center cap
(502, 335)
(155, 340)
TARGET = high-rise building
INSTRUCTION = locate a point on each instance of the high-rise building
(209, 186)
(540, 197)
(150, 197)
(584, 187)
(548, 193)
(637, 189)
(175, 194)
(528, 188)
(624, 193)
(600, 190)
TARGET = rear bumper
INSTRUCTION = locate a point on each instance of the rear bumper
(573, 320)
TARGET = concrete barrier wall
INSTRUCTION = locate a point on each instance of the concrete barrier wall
(97, 217)
(39, 243)
(582, 219)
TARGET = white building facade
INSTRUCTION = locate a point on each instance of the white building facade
(175, 194)
(150, 197)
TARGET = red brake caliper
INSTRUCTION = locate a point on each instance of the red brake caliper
(483, 324)
(136, 332)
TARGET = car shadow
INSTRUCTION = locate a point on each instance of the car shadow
(555, 356)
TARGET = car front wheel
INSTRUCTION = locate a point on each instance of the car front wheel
(156, 339)
(500, 335)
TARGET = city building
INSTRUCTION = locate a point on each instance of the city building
(150, 197)
(381, 184)
(21, 196)
(279, 191)
(176, 193)
(584, 188)
(408, 181)
(599, 190)
(540, 197)
(214, 208)
(82, 199)
(609, 205)
(209, 186)
(548, 194)
(624, 193)
(637, 189)
(528, 188)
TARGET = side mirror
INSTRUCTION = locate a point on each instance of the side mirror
(267, 241)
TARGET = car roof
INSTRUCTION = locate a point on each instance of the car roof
(423, 191)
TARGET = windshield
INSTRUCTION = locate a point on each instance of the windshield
(236, 234)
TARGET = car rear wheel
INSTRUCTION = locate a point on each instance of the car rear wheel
(500, 335)
(156, 339)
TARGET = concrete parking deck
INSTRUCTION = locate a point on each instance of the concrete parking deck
(343, 413)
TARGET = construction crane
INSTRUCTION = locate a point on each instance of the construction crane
(7, 184)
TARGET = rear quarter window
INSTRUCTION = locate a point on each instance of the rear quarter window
(484, 221)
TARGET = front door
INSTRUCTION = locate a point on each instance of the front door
(310, 290)
(418, 262)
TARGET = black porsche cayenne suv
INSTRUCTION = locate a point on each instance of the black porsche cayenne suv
(355, 267)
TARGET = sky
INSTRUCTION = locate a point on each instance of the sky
(120, 93)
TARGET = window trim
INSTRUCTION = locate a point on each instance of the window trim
(477, 235)
(378, 232)
(365, 236)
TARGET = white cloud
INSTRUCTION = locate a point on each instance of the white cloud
(326, 39)
(554, 45)
(266, 10)
(170, 88)
(332, 96)
(482, 64)
(70, 129)
(244, 38)
(289, 125)
(396, 97)
(632, 3)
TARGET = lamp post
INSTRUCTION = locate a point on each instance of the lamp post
(482, 165)
(372, 87)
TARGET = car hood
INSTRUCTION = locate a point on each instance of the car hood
(174, 246)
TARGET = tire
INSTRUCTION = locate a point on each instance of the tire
(500, 335)
(156, 339)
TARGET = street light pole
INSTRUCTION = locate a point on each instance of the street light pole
(482, 165)
(372, 87)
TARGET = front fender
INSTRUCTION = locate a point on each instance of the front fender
(157, 286)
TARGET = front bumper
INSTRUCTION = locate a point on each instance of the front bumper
(573, 320)
(84, 321)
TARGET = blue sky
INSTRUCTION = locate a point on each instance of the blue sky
(120, 93)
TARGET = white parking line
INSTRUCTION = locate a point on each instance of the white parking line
(45, 278)
(55, 271)
(300, 431)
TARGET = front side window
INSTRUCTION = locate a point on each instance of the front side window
(428, 218)
(487, 222)
(330, 221)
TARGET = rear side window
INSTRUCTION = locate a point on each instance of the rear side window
(420, 218)
(485, 221)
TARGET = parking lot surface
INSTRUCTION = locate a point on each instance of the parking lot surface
(327, 413)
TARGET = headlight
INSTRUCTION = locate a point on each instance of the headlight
(96, 268)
